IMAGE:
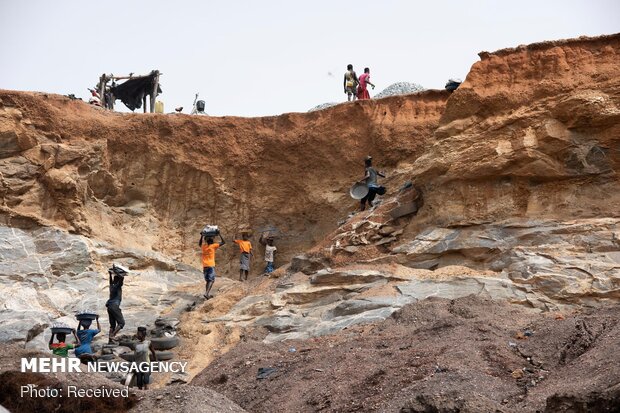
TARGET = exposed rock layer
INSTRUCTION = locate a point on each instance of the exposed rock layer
(152, 181)
(514, 182)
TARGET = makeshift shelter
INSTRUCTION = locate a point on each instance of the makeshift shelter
(132, 92)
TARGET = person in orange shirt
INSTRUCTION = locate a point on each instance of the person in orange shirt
(208, 260)
(245, 247)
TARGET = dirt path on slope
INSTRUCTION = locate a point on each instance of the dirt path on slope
(203, 339)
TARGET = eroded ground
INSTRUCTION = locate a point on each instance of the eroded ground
(467, 354)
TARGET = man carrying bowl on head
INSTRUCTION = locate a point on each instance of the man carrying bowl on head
(86, 336)
(61, 347)
(117, 321)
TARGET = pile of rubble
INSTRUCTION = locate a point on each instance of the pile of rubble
(399, 88)
(323, 106)
(163, 338)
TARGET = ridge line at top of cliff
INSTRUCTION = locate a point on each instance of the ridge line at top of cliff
(547, 44)
(429, 93)
(21, 95)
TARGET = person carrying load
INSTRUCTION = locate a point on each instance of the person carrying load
(86, 336)
(370, 179)
(209, 247)
(117, 321)
(61, 348)
(245, 249)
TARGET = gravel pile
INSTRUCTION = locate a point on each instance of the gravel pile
(399, 88)
(323, 106)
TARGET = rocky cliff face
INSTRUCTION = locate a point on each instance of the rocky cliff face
(138, 188)
(532, 132)
(153, 181)
(506, 189)
(521, 178)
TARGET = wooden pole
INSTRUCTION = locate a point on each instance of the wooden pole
(130, 77)
(102, 83)
(155, 88)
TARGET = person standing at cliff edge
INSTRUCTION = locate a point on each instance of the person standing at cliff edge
(245, 248)
(350, 83)
(208, 260)
(362, 88)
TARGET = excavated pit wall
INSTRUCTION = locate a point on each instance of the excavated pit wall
(521, 179)
(152, 181)
(529, 144)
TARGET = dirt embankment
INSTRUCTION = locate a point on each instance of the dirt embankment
(467, 355)
(152, 181)
(532, 132)
(521, 171)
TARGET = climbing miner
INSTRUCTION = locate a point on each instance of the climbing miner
(350, 83)
(117, 322)
(209, 247)
(245, 249)
(362, 88)
(370, 179)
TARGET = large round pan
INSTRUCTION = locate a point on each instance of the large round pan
(358, 190)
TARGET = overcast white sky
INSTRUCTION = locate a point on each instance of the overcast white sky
(251, 58)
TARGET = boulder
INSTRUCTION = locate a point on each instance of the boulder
(9, 143)
(117, 351)
(386, 230)
(385, 241)
(404, 209)
(308, 264)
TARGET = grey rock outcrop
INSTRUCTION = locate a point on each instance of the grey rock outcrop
(47, 275)
(567, 262)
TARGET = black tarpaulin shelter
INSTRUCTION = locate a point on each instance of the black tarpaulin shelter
(133, 91)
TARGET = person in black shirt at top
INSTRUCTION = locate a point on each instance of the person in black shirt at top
(117, 321)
